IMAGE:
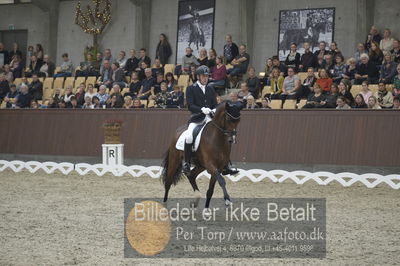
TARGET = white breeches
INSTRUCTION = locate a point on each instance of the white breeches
(189, 137)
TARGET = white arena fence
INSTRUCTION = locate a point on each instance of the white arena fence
(255, 175)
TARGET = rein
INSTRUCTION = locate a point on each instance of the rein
(229, 133)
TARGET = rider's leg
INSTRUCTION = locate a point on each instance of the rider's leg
(188, 149)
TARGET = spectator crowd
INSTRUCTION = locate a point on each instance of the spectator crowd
(323, 79)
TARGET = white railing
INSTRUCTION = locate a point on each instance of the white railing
(255, 175)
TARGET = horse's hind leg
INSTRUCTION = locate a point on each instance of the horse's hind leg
(192, 179)
(221, 181)
(173, 172)
(210, 191)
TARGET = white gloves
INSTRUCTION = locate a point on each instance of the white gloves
(206, 110)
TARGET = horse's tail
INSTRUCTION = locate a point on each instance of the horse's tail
(172, 168)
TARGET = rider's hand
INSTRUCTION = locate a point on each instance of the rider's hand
(206, 110)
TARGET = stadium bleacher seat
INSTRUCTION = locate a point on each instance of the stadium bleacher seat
(302, 76)
(48, 93)
(17, 81)
(266, 90)
(276, 104)
(183, 81)
(290, 104)
(58, 83)
(125, 90)
(91, 80)
(70, 81)
(58, 69)
(151, 104)
(301, 103)
(80, 80)
(144, 102)
(169, 68)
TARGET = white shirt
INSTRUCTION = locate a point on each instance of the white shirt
(202, 87)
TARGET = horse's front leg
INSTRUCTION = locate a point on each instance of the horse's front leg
(221, 181)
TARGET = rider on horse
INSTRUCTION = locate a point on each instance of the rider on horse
(201, 100)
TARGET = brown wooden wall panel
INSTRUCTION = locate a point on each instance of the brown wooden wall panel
(362, 137)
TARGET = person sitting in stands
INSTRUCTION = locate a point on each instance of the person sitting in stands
(375, 36)
(324, 80)
(157, 85)
(177, 99)
(73, 103)
(132, 63)
(203, 58)
(16, 66)
(396, 82)
(121, 60)
(365, 92)
(396, 51)
(8, 74)
(345, 92)
(218, 76)
(293, 58)
(334, 50)
(88, 103)
(192, 74)
(171, 82)
(162, 98)
(5, 56)
(34, 66)
(11, 97)
(276, 82)
(342, 103)
(351, 69)
(48, 67)
(118, 75)
(107, 57)
(66, 67)
(331, 97)
(384, 97)
(240, 63)
(282, 68)
(102, 95)
(4, 86)
(366, 71)
(188, 60)
(15, 51)
(66, 98)
(144, 58)
(81, 94)
(253, 83)
(373, 103)
(251, 103)
(268, 70)
(135, 85)
(396, 103)
(322, 50)
(96, 103)
(87, 68)
(328, 64)
(375, 55)
(118, 96)
(231, 50)
(106, 75)
(244, 92)
(212, 58)
(157, 68)
(36, 88)
(90, 91)
(265, 104)
(112, 103)
(388, 69)
(307, 87)
(291, 85)
(360, 50)
(127, 102)
(137, 104)
(308, 59)
(386, 44)
(55, 99)
(339, 69)
(316, 99)
(24, 98)
(359, 102)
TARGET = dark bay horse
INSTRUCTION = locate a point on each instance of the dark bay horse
(196, 36)
(212, 154)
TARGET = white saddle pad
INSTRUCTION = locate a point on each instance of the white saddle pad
(180, 144)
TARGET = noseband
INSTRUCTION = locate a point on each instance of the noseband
(229, 133)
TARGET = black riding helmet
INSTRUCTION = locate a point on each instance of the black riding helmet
(203, 70)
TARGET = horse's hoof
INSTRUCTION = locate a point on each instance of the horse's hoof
(228, 202)
(197, 197)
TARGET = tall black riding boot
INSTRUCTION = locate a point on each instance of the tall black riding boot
(188, 155)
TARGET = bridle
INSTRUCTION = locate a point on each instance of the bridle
(229, 133)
